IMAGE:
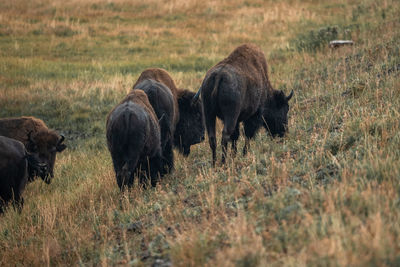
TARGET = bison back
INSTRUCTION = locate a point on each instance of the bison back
(163, 77)
(162, 101)
(19, 128)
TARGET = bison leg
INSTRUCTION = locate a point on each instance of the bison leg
(155, 167)
(210, 117)
(125, 171)
(144, 173)
(118, 168)
(234, 138)
(125, 176)
(229, 130)
(168, 155)
(251, 127)
(151, 171)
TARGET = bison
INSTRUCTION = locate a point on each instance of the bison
(185, 121)
(15, 165)
(162, 101)
(37, 138)
(134, 140)
(237, 90)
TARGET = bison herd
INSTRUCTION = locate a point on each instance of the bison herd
(151, 120)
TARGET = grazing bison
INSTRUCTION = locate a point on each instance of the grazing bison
(15, 165)
(190, 128)
(37, 138)
(162, 101)
(237, 89)
(187, 120)
(133, 139)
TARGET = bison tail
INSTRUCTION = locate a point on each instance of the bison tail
(214, 91)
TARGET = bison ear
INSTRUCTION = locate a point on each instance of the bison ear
(61, 147)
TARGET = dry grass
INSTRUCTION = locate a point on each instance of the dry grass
(327, 194)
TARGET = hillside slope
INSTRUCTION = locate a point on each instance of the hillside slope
(326, 194)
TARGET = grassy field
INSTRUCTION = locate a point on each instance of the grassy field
(328, 194)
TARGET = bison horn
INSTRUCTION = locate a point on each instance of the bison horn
(196, 97)
(289, 96)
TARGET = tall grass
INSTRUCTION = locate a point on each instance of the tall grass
(326, 194)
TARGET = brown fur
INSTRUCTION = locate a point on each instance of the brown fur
(42, 140)
(13, 171)
(140, 98)
(237, 89)
(15, 165)
(188, 120)
(162, 76)
(133, 139)
(19, 128)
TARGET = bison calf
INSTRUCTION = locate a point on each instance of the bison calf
(15, 164)
(133, 139)
(237, 89)
(37, 138)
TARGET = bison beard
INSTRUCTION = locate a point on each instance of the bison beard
(133, 139)
(237, 89)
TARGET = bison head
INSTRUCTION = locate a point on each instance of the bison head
(190, 127)
(45, 144)
(275, 113)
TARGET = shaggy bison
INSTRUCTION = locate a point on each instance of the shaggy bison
(37, 138)
(15, 164)
(237, 89)
(133, 139)
(163, 103)
(186, 120)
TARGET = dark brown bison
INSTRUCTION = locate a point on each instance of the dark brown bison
(237, 89)
(186, 120)
(15, 165)
(162, 101)
(133, 139)
(37, 138)
(190, 128)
